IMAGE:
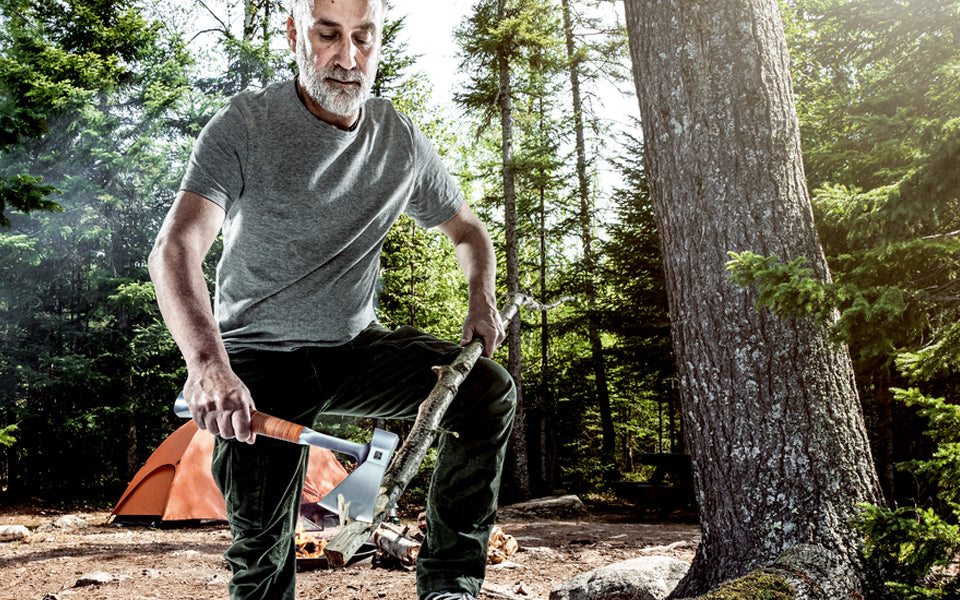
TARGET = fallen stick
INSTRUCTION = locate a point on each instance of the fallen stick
(407, 461)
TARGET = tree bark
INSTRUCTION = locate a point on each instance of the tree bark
(517, 475)
(598, 362)
(772, 418)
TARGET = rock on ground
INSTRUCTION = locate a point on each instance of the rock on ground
(10, 533)
(97, 578)
(644, 578)
(550, 507)
(65, 523)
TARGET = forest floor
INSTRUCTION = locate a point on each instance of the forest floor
(110, 562)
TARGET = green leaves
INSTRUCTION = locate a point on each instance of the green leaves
(6, 436)
(906, 543)
(25, 193)
(911, 544)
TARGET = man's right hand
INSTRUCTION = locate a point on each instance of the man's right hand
(220, 403)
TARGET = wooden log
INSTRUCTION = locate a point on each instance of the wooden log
(407, 461)
(393, 541)
(501, 546)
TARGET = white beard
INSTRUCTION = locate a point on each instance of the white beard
(335, 99)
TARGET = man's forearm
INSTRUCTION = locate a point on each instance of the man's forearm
(218, 400)
(479, 264)
(475, 254)
(184, 302)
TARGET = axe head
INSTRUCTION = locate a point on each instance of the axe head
(358, 492)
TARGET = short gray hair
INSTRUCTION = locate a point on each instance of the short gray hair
(299, 8)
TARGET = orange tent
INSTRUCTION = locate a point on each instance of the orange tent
(175, 484)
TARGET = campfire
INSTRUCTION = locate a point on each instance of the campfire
(308, 544)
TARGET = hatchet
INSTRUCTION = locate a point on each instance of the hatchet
(356, 495)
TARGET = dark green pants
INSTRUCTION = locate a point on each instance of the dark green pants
(379, 374)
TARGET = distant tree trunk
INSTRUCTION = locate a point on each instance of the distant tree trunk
(267, 38)
(773, 422)
(518, 476)
(248, 32)
(546, 480)
(598, 362)
(132, 456)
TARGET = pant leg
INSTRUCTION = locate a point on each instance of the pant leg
(462, 501)
(387, 375)
(262, 482)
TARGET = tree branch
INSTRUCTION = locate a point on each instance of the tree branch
(937, 236)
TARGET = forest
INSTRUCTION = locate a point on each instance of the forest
(100, 101)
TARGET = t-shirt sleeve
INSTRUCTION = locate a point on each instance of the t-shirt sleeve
(436, 196)
(215, 170)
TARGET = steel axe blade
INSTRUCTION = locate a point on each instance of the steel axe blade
(358, 492)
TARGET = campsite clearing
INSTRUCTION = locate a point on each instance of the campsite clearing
(187, 564)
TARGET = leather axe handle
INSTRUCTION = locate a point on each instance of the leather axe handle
(275, 427)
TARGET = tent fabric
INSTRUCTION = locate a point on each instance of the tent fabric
(175, 483)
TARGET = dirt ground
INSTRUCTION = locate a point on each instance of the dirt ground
(143, 563)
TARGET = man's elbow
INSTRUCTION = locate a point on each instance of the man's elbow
(160, 257)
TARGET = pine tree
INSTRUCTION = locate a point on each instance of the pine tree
(774, 426)
(497, 38)
(74, 291)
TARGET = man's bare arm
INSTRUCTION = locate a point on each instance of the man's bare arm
(219, 401)
(479, 263)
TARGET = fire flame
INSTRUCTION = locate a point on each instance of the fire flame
(308, 545)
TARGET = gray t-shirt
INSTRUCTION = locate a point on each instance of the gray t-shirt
(308, 207)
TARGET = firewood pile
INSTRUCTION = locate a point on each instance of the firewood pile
(501, 547)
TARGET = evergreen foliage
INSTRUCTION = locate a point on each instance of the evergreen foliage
(914, 546)
(74, 365)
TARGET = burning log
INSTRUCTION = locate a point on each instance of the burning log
(308, 545)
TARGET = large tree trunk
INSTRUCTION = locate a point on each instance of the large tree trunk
(772, 418)
(598, 362)
(517, 472)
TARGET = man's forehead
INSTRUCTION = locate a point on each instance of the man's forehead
(360, 14)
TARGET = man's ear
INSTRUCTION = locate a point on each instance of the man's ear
(291, 34)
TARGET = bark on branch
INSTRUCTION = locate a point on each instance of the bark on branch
(407, 461)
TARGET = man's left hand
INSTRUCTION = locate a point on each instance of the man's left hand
(483, 321)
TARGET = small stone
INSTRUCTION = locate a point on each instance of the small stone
(97, 578)
(65, 523)
(10, 533)
(218, 579)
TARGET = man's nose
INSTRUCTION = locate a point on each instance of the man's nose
(346, 55)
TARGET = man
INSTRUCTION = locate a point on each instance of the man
(305, 178)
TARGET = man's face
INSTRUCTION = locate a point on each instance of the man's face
(337, 48)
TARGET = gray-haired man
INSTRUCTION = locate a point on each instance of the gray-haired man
(305, 178)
